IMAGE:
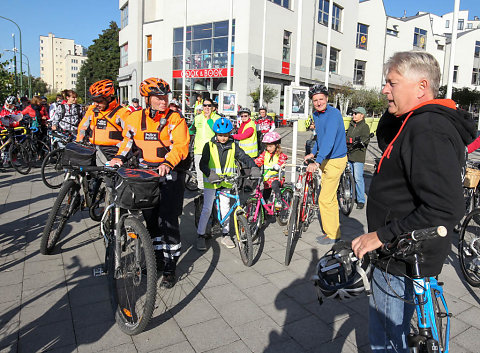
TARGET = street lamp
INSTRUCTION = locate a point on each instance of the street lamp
(28, 66)
(21, 53)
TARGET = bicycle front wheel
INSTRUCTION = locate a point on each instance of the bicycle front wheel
(469, 248)
(52, 170)
(133, 282)
(346, 193)
(66, 204)
(244, 239)
(287, 197)
(20, 158)
(293, 228)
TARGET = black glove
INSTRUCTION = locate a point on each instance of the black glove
(256, 172)
(213, 177)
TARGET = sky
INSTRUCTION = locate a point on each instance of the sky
(84, 20)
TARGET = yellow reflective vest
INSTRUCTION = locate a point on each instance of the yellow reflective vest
(249, 145)
(268, 163)
(214, 164)
(204, 132)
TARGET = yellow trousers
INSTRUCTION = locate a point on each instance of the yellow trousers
(332, 170)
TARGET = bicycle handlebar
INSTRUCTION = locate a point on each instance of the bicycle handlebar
(415, 237)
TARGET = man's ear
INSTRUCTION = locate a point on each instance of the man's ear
(423, 88)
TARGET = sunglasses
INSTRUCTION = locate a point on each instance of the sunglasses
(207, 105)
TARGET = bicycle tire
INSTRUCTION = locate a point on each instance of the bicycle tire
(311, 193)
(40, 151)
(469, 243)
(282, 215)
(20, 158)
(95, 211)
(250, 207)
(438, 320)
(71, 193)
(346, 193)
(130, 277)
(52, 165)
(292, 228)
(191, 182)
(244, 239)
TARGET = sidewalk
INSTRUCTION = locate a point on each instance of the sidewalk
(54, 303)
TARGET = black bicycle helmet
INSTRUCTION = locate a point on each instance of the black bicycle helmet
(244, 110)
(262, 108)
(317, 88)
(340, 275)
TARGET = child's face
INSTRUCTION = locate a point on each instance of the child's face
(222, 138)
(270, 147)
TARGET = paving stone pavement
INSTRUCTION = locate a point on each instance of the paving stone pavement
(53, 303)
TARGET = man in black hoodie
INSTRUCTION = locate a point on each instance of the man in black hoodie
(417, 185)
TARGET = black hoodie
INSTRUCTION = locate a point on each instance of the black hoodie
(418, 183)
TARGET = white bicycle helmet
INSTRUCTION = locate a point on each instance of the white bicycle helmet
(340, 275)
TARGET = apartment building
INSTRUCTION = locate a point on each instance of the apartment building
(363, 38)
(60, 62)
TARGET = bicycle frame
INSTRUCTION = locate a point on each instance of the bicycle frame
(232, 208)
(269, 207)
(304, 180)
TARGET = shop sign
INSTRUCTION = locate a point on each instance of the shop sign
(203, 73)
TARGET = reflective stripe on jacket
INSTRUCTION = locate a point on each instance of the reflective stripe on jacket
(249, 145)
(215, 166)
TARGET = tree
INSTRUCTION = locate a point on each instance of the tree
(268, 94)
(464, 96)
(371, 99)
(6, 80)
(103, 60)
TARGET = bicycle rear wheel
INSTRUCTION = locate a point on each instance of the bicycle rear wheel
(133, 283)
(287, 197)
(243, 239)
(469, 248)
(255, 224)
(293, 228)
(52, 170)
(66, 204)
(346, 193)
(20, 158)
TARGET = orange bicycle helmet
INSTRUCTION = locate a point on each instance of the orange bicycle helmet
(102, 89)
(154, 87)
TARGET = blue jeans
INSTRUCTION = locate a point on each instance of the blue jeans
(357, 169)
(389, 317)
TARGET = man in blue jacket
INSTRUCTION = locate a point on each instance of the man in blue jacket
(331, 158)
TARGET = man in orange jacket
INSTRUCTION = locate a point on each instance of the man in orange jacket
(159, 136)
(104, 121)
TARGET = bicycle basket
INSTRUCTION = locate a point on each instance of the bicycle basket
(137, 189)
(78, 155)
(472, 177)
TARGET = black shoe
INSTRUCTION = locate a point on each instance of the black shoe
(168, 280)
(160, 261)
(360, 205)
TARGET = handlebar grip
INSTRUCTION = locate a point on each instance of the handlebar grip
(97, 169)
(429, 233)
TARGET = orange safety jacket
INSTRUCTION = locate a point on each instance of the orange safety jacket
(105, 126)
(163, 139)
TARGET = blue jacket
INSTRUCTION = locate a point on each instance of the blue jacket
(331, 141)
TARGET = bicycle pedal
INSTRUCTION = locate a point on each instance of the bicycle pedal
(98, 271)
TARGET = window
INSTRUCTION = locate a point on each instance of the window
(283, 3)
(477, 49)
(447, 24)
(323, 14)
(362, 36)
(420, 38)
(476, 76)
(460, 24)
(124, 55)
(469, 25)
(286, 46)
(149, 47)
(359, 72)
(455, 73)
(321, 54)
(124, 16)
(392, 32)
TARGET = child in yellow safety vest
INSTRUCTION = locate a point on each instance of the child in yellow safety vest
(218, 159)
(272, 159)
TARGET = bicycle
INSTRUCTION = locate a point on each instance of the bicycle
(17, 153)
(52, 170)
(469, 248)
(36, 148)
(256, 207)
(191, 182)
(243, 236)
(79, 190)
(346, 191)
(303, 206)
(471, 192)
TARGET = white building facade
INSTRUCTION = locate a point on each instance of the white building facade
(60, 62)
(363, 37)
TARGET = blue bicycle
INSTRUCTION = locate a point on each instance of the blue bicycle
(243, 236)
(433, 317)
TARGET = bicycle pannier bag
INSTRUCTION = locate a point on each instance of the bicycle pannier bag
(137, 189)
(78, 155)
(472, 177)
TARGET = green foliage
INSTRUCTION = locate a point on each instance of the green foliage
(268, 94)
(103, 60)
(463, 96)
(372, 100)
(6, 80)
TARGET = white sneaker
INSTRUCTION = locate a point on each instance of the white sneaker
(228, 242)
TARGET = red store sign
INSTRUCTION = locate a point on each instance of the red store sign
(203, 73)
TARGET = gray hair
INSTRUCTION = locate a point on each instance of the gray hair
(415, 65)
